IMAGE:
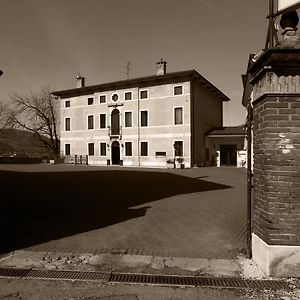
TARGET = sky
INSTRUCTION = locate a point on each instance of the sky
(46, 43)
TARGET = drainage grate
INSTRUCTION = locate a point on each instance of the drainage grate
(54, 274)
(224, 282)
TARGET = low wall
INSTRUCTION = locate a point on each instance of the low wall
(21, 160)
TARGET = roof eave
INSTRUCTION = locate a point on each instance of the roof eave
(142, 81)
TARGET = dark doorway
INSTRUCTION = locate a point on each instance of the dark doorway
(115, 153)
(228, 155)
(115, 122)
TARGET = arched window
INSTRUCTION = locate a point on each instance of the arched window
(115, 122)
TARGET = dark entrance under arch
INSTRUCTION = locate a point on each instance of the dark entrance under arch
(115, 153)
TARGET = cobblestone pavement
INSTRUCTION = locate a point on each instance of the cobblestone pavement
(199, 212)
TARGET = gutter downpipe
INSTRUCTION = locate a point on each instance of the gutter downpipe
(192, 130)
(139, 130)
(249, 178)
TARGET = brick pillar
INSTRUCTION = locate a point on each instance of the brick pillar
(276, 171)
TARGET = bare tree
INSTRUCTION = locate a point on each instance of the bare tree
(3, 115)
(38, 114)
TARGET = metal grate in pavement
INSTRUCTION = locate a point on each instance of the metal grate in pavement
(53, 274)
(224, 282)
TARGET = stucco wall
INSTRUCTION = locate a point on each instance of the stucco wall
(207, 115)
(160, 132)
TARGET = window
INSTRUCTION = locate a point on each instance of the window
(90, 101)
(102, 98)
(115, 122)
(91, 149)
(67, 149)
(67, 103)
(103, 149)
(160, 153)
(128, 96)
(178, 90)
(144, 94)
(144, 118)
(144, 148)
(114, 97)
(102, 120)
(90, 122)
(128, 119)
(67, 124)
(178, 116)
(128, 149)
(178, 147)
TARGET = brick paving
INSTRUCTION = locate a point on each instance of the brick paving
(193, 213)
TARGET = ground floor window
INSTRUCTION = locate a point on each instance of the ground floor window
(128, 149)
(102, 149)
(160, 153)
(144, 148)
(91, 150)
(178, 148)
(67, 149)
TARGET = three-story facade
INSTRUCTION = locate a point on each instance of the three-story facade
(149, 121)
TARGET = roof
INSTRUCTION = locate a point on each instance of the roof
(142, 82)
(228, 131)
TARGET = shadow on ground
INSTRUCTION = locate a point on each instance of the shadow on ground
(39, 207)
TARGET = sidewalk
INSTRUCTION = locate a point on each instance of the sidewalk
(87, 290)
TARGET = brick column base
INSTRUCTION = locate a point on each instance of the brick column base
(276, 220)
(276, 260)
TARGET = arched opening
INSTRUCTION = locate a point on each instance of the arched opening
(115, 153)
(115, 122)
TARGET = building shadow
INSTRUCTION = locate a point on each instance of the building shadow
(38, 207)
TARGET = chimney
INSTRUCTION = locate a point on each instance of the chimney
(161, 67)
(80, 81)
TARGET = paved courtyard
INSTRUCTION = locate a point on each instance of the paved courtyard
(199, 212)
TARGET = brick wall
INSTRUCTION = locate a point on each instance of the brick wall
(276, 142)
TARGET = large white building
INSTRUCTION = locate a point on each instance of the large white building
(148, 121)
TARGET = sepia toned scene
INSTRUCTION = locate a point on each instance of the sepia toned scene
(150, 149)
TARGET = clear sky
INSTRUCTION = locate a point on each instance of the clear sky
(47, 42)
